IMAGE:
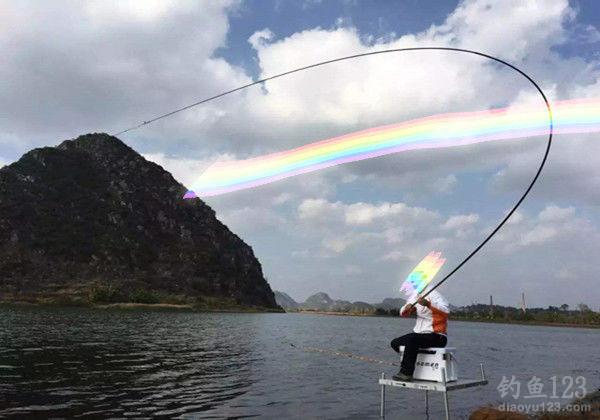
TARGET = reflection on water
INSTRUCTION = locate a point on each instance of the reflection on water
(74, 362)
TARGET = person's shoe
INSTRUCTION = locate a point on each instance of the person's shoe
(402, 377)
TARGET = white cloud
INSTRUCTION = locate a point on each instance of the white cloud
(571, 173)
(462, 225)
(282, 198)
(516, 218)
(552, 224)
(554, 213)
(260, 38)
(148, 10)
(538, 235)
(482, 25)
(338, 244)
(341, 225)
(252, 218)
(318, 210)
(364, 213)
(401, 84)
(460, 221)
(184, 170)
(446, 184)
(360, 214)
(104, 65)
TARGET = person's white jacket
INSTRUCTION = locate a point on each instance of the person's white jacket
(432, 319)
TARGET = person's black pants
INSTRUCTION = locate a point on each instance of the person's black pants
(412, 343)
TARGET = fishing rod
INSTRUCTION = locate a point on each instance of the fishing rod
(394, 50)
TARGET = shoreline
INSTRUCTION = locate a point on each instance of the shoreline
(148, 306)
(487, 321)
(334, 313)
(256, 309)
(536, 323)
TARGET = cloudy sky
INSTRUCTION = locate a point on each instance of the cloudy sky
(354, 231)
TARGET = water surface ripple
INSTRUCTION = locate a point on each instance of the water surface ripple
(77, 362)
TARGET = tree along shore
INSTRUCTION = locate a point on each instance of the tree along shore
(551, 316)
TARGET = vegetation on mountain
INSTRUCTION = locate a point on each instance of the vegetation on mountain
(92, 221)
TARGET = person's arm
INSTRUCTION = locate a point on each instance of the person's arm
(436, 305)
(407, 309)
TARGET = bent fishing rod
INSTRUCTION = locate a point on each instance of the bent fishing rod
(388, 51)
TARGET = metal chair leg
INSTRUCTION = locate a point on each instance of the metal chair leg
(382, 402)
(446, 404)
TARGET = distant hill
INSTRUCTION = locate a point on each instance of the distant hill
(285, 301)
(318, 302)
(322, 302)
(92, 220)
(390, 303)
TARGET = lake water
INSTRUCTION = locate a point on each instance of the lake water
(71, 362)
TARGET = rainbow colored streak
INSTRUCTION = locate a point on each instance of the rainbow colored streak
(438, 131)
(423, 273)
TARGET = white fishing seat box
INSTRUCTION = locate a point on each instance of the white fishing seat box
(430, 362)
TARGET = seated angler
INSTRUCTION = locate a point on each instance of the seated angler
(430, 330)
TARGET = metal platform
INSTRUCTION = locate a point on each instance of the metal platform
(427, 386)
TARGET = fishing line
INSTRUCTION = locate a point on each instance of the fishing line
(372, 53)
(344, 354)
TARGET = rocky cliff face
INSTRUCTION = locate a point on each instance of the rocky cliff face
(93, 213)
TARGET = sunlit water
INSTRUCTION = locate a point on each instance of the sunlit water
(72, 362)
